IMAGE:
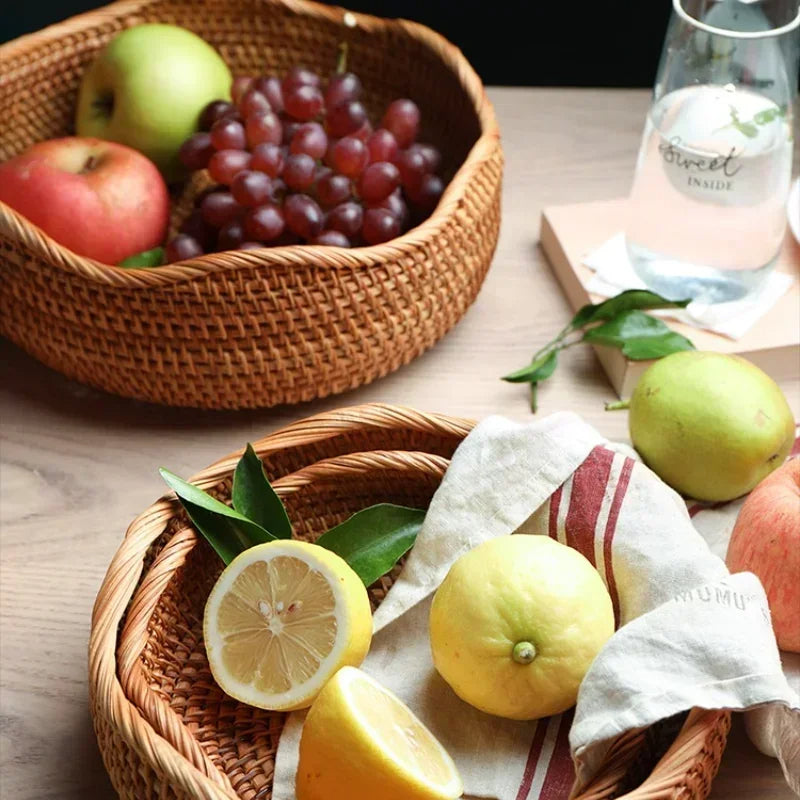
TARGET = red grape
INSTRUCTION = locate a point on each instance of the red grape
(287, 238)
(332, 239)
(268, 157)
(301, 76)
(350, 156)
(290, 128)
(378, 181)
(278, 190)
(264, 223)
(346, 218)
(271, 88)
(182, 247)
(303, 102)
(402, 119)
(303, 215)
(426, 195)
(263, 126)
(310, 138)
(215, 110)
(299, 171)
(251, 188)
(228, 134)
(195, 226)
(225, 165)
(380, 225)
(200, 196)
(196, 151)
(240, 86)
(231, 235)
(411, 164)
(364, 132)
(382, 146)
(220, 207)
(342, 87)
(253, 102)
(333, 189)
(396, 204)
(432, 156)
(346, 118)
(250, 246)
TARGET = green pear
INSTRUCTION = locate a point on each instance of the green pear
(710, 425)
(147, 89)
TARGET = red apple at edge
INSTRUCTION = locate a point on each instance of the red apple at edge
(766, 541)
(100, 199)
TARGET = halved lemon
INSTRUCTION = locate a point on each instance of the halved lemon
(360, 742)
(281, 620)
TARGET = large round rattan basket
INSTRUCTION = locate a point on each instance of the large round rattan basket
(165, 728)
(253, 328)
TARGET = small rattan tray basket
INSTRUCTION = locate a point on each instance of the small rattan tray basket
(249, 329)
(165, 728)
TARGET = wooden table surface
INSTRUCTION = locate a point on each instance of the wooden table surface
(78, 465)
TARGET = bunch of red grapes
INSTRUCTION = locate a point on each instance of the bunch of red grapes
(299, 162)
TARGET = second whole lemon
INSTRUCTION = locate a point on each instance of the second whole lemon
(516, 624)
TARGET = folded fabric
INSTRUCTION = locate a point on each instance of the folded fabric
(690, 634)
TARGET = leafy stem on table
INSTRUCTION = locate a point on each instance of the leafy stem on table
(617, 322)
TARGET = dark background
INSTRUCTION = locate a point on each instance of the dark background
(536, 43)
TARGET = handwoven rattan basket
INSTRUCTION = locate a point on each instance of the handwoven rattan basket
(253, 328)
(165, 728)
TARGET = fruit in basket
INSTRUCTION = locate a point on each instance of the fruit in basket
(361, 742)
(101, 200)
(147, 89)
(281, 620)
(766, 541)
(516, 624)
(317, 155)
(710, 425)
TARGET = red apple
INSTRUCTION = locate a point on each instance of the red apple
(101, 200)
(766, 541)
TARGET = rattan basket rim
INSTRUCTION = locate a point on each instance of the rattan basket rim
(110, 680)
(18, 227)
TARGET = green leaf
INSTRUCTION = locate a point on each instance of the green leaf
(537, 371)
(254, 497)
(766, 116)
(147, 258)
(628, 300)
(227, 531)
(639, 336)
(372, 541)
(747, 129)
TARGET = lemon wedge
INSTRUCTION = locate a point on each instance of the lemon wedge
(281, 620)
(360, 742)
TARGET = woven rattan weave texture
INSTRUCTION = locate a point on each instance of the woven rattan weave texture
(253, 328)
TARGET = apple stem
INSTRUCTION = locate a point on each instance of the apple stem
(90, 164)
(341, 61)
(620, 405)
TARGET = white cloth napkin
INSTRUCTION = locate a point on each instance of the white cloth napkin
(690, 635)
(613, 274)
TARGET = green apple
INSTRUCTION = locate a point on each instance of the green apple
(710, 425)
(147, 89)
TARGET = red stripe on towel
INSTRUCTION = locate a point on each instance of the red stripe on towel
(589, 485)
(555, 502)
(533, 759)
(561, 771)
(611, 527)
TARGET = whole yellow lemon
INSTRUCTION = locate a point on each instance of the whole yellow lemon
(516, 624)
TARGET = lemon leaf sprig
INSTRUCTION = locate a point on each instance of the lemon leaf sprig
(371, 541)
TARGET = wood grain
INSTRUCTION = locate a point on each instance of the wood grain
(76, 465)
